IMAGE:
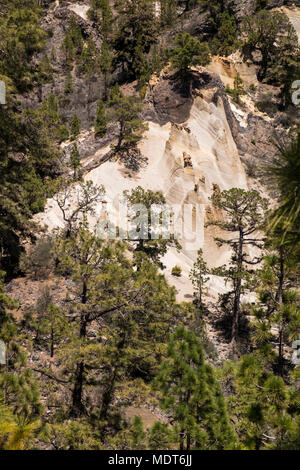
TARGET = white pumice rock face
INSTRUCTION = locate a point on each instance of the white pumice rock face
(206, 140)
(80, 10)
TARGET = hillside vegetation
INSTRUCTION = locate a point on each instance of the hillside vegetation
(122, 343)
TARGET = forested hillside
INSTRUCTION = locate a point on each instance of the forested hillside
(116, 339)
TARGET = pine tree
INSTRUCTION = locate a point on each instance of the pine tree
(19, 392)
(73, 42)
(157, 59)
(63, 133)
(284, 172)
(160, 437)
(68, 83)
(45, 70)
(48, 321)
(260, 405)
(136, 26)
(192, 396)
(224, 30)
(169, 13)
(21, 37)
(33, 133)
(106, 61)
(135, 318)
(153, 242)
(274, 37)
(84, 256)
(141, 65)
(136, 335)
(50, 108)
(100, 12)
(225, 40)
(68, 48)
(243, 217)
(73, 435)
(75, 127)
(125, 111)
(75, 161)
(277, 300)
(187, 4)
(188, 51)
(101, 121)
(88, 196)
(89, 59)
(76, 34)
(133, 437)
(238, 89)
(107, 18)
(38, 261)
(198, 276)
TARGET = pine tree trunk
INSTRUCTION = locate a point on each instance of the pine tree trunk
(237, 290)
(258, 443)
(181, 440)
(264, 67)
(188, 442)
(121, 135)
(108, 394)
(280, 302)
(77, 408)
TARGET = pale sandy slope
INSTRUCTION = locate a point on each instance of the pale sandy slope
(80, 9)
(206, 137)
(294, 15)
